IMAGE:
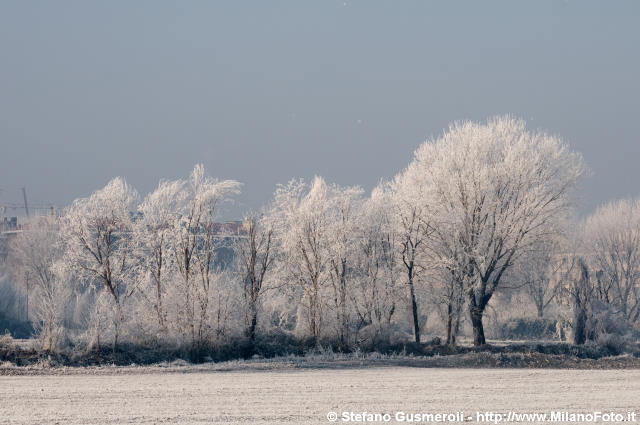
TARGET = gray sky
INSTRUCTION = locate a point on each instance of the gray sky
(266, 91)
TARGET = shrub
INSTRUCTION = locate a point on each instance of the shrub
(525, 328)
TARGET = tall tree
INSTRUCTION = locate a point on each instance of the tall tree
(577, 289)
(99, 248)
(254, 256)
(153, 232)
(376, 291)
(344, 206)
(414, 223)
(612, 237)
(35, 255)
(301, 219)
(496, 188)
(194, 241)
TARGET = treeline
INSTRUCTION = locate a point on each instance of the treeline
(480, 220)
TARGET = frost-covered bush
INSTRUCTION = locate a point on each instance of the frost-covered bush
(609, 328)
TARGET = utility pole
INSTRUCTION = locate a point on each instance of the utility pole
(26, 207)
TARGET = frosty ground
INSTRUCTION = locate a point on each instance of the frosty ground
(282, 392)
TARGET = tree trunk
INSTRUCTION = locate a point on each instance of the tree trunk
(117, 325)
(450, 337)
(579, 326)
(476, 323)
(159, 303)
(253, 322)
(313, 316)
(414, 310)
(456, 329)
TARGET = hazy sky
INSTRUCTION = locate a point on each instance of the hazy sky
(265, 91)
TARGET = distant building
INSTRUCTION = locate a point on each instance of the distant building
(230, 228)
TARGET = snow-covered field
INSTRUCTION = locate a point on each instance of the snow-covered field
(304, 396)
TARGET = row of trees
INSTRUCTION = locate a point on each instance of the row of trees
(481, 205)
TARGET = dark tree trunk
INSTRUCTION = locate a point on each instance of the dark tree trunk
(253, 322)
(456, 328)
(313, 316)
(579, 327)
(453, 323)
(450, 337)
(478, 328)
(414, 310)
(159, 303)
(117, 323)
(118, 318)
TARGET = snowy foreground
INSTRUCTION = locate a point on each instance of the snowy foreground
(185, 394)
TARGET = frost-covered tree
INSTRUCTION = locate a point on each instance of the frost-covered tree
(301, 220)
(612, 238)
(98, 244)
(159, 215)
(577, 289)
(375, 292)
(345, 205)
(413, 221)
(314, 226)
(534, 271)
(446, 278)
(496, 188)
(254, 257)
(224, 315)
(35, 254)
(447, 296)
(194, 241)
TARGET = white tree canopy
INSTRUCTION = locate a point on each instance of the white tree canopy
(491, 190)
(612, 236)
(99, 248)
